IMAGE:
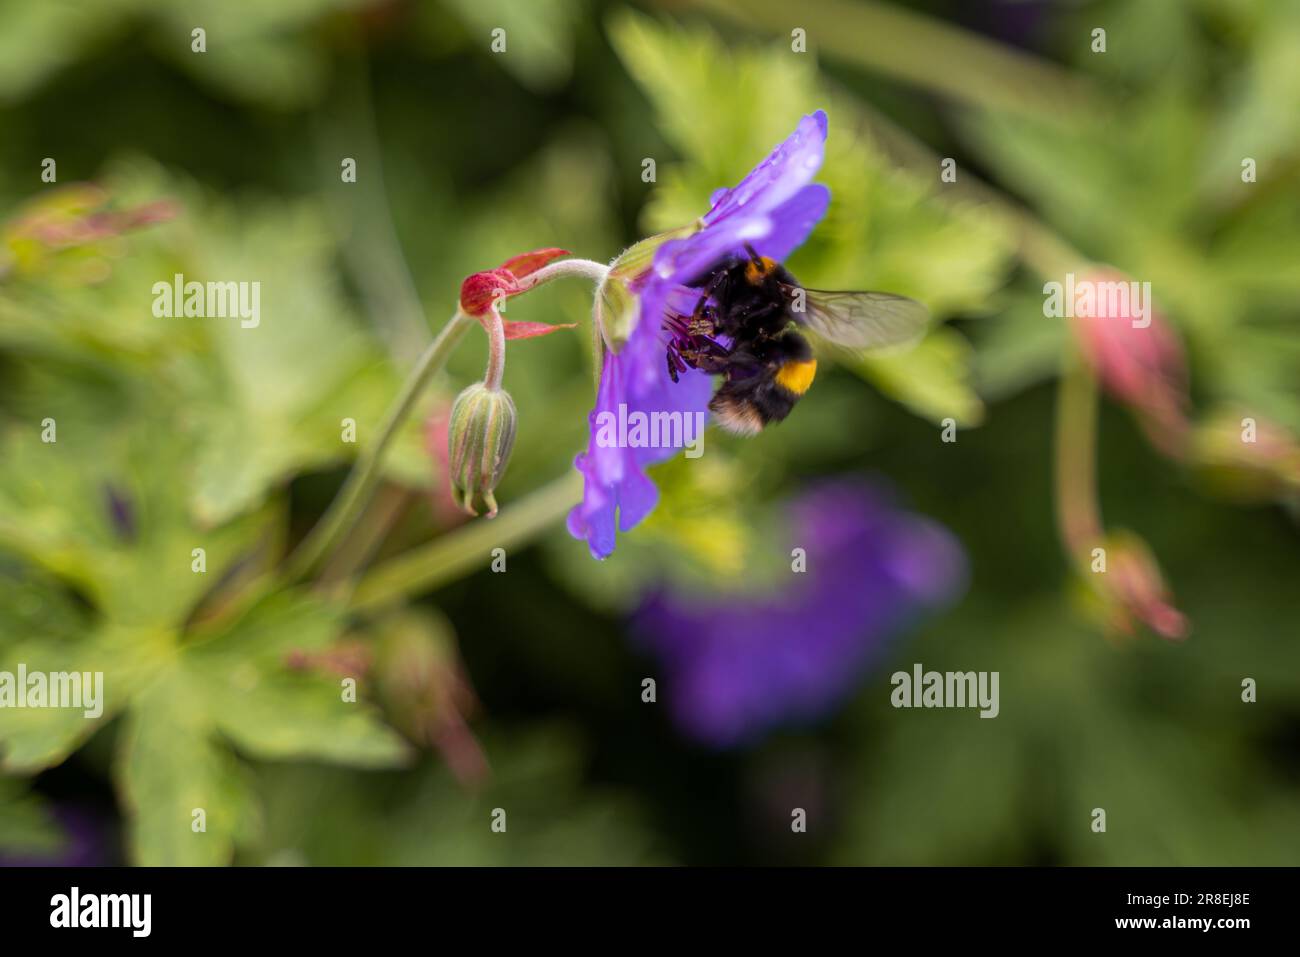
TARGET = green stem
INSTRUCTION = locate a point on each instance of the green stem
(353, 496)
(467, 548)
(1078, 513)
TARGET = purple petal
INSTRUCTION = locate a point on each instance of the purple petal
(738, 665)
(637, 499)
(616, 490)
(790, 166)
(793, 221)
(593, 518)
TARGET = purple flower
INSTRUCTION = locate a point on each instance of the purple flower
(739, 665)
(772, 210)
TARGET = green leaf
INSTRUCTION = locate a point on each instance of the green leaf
(41, 38)
(234, 683)
(236, 388)
(118, 661)
(171, 767)
(273, 713)
(323, 818)
(721, 133)
(26, 825)
(1263, 108)
(1019, 349)
(57, 506)
(931, 379)
(43, 630)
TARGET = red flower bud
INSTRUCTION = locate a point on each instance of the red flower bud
(479, 292)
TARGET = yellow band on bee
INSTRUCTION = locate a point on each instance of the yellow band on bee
(756, 270)
(796, 377)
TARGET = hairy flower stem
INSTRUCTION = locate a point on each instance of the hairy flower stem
(583, 268)
(1077, 513)
(496, 365)
(351, 500)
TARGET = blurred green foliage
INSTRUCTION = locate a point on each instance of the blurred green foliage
(222, 692)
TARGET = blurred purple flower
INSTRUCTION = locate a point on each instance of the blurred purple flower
(85, 843)
(739, 665)
(773, 210)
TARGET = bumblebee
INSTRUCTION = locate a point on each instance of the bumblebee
(749, 326)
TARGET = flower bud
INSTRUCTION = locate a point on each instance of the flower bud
(1134, 590)
(480, 436)
(1247, 458)
(482, 290)
(425, 690)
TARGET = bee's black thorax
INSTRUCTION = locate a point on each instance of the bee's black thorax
(743, 330)
(749, 299)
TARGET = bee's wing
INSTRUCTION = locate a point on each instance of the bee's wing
(858, 320)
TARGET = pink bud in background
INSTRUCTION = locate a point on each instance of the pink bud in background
(1244, 456)
(1138, 359)
(1135, 591)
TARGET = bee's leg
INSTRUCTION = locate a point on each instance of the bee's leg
(701, 324)
(705, 363)
(708, 357)
(672, 366)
